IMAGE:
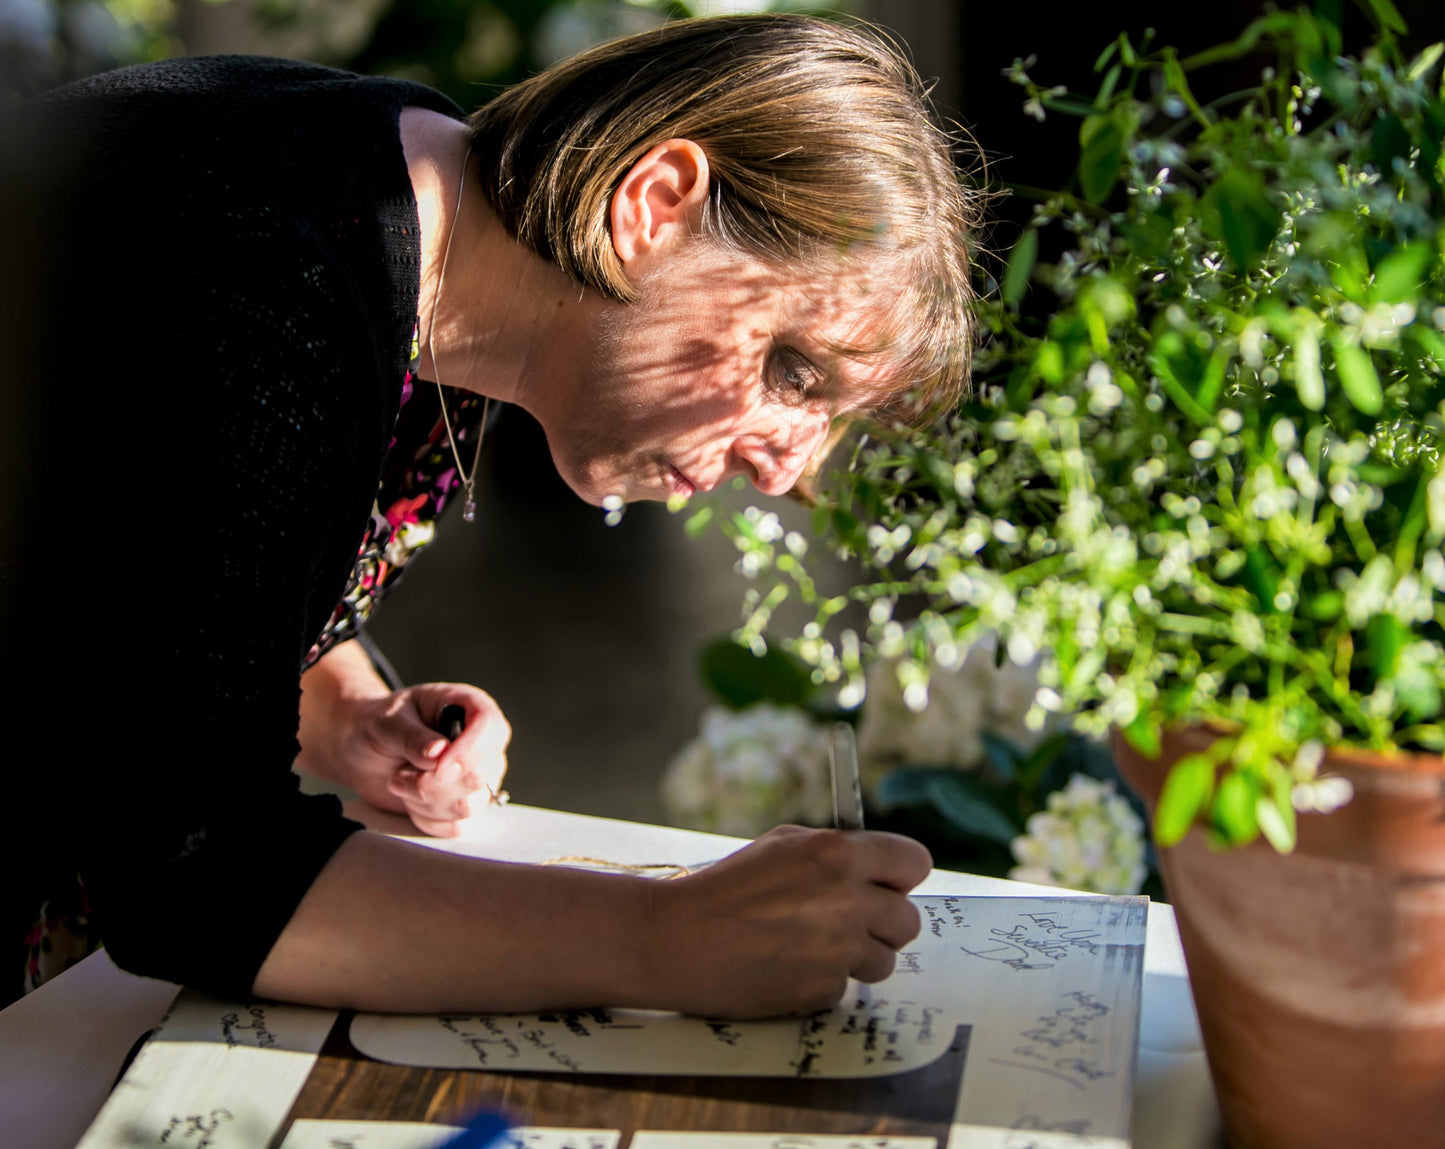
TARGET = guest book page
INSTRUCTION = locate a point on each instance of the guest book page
(1048, 987)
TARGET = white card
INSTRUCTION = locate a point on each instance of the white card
(216, 1075)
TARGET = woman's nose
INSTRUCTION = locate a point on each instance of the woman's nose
(773, 462)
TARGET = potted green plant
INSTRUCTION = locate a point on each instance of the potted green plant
(1199, 477)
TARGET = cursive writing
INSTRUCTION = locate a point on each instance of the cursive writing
(196, 1132)
(1061, 1043)
(232, 1028)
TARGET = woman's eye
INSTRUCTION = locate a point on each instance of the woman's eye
(793, 374)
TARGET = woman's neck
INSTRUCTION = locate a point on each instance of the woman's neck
(495, 318)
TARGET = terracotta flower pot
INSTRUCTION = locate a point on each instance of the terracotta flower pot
(1320, 976)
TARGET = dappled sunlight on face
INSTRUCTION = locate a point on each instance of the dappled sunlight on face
(724, 366)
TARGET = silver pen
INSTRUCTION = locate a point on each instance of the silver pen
(847, 786)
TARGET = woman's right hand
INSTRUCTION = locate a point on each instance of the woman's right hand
(779, 927)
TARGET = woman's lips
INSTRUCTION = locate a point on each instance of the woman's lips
(679, 483)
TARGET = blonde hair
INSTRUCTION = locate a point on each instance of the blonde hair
(821, 147)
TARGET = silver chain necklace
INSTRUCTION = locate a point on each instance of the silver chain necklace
(469, 482)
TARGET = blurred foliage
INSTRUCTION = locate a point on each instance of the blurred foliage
(740, 678)
(466, 48)
(1200, 474)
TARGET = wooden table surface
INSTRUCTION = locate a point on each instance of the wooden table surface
(347, 1085)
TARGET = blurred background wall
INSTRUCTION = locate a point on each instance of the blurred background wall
(587, 634)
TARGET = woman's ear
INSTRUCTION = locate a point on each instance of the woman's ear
(660, 200)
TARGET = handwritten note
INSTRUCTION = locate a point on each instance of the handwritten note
(860, 1038)
(215, 1075)
(309, 1134)
(1049, 987)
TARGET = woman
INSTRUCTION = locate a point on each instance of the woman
(687, 254)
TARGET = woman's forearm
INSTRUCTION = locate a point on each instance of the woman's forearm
(776, 928)
(390, 926)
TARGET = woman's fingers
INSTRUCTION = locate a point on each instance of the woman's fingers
(435, 779)
(897, 862)
(893, 921)
(779, 926)
(876, 962)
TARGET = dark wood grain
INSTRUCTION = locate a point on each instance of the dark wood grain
(346, 1085)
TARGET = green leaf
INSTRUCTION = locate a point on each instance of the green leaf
(1389, 140)
(1049, 362)
(1185, 793)
(1079, 755)
(1020, 264)
(741, 679)
(1326, 606)
(1178, 392)
(1106, 89)
(846, 526)
(1402, 273)
(697, 522)
(1002, 755)
(1387, 16)
(1044, 754)
(1247, 218)
(1349, 268)
(1384, 636)
(1143, 734)
(1235, 808)
(1176, 79)
(1261, 576)
(1274, 22)
(1358, 378)
(1309, 380)
(1103, 140)
(1430, 342)
(1420, 66)
(963, 802)
(907, 786)
(1277, 829)
(1106, 55)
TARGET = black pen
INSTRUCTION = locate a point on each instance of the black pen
(452, 722)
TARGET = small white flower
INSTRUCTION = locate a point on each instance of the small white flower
(749, 771)
(965, 697)
(1089, 838)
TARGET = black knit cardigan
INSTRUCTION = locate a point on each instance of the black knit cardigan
(221, 263)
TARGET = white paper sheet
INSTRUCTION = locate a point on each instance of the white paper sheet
(216, 1075)
(1051, 989)
(1049, 986)
(855, 1040)
(309, 1134)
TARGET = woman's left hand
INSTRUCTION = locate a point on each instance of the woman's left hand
(386, 745)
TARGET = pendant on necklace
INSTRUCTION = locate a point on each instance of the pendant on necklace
(469, 510)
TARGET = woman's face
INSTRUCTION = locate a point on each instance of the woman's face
(722, 367)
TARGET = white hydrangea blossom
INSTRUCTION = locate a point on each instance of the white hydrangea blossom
(1089, 838)
(963, 703)
(751, 770)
